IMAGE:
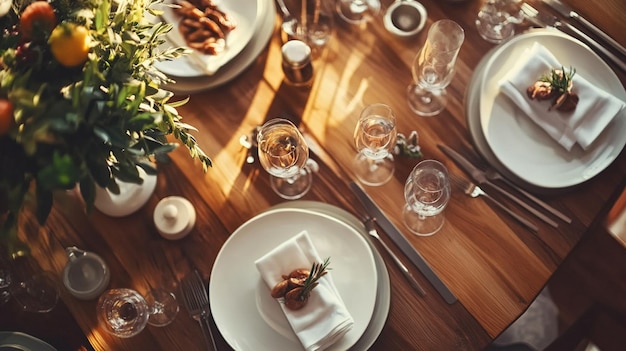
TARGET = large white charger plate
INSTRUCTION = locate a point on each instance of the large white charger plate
(23, 342)
(521, 145)
(235, 281)
(263, 31)
(243, 13)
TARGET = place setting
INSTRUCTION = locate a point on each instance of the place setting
(553, 150)
(350, 306)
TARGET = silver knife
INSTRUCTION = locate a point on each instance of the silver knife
(480, 177)
(405, 246)
(567, 11)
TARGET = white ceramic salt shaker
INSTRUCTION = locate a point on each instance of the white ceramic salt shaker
(174, 217)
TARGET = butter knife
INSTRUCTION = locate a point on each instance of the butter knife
(405, 246)
(567, 11)
(480, 177)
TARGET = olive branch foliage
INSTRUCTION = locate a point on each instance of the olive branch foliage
(91, 125)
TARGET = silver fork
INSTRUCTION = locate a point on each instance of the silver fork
(474, 191)
(492, 174)
(543, 20)
(196, 301)
(371, 230)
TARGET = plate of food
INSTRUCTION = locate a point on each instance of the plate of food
(216, 31)
(525, 148)
(237, 293)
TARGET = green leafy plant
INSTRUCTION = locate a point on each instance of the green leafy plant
(91, 124)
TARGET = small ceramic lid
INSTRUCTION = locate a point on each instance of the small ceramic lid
(174, 217)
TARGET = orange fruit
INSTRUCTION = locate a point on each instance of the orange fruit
(70, 44)
(37, 20)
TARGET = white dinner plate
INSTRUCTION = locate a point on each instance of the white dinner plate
(262, 33)
(235, 280)
(245, 15)
(520, 144)
(23, 342)
(383, 295)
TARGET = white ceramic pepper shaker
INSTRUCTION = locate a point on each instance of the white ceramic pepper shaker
(174, 217)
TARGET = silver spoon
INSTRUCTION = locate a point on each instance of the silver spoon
(289, 25)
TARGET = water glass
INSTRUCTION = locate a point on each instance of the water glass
(433, 68)
(375, 137)
(316, 27)
(427, 192)
(125, 313)
(497, 19)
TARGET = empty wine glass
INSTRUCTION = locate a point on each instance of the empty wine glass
(125, 313)
(358, 11)
(497, 19)
(426, 191)
(283, 153)
(375, 136)
(433, 68)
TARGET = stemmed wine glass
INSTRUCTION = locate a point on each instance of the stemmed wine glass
(284, 153)
(37, 292)
(125, 313)
(497, 19)
(375, 136)
(357, 11)
(433, 68)
(427, 192)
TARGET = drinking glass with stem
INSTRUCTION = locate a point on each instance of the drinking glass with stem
(433, 68)
(358, 11)
(497, 19)
(375, 137)
(427, 192)
(33, 292)
(284, 154)
(125, 313)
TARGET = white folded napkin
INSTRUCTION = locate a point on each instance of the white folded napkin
(595, 110)
(325, 318)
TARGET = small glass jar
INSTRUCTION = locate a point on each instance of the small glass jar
(297, 65)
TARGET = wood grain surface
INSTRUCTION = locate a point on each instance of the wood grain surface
(491, 263)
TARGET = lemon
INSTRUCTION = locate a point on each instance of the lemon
(70, 44)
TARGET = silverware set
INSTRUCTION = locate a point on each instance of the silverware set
(568, 12)
(196, 299)
(474, 191)
(481, 179)
(545, 20)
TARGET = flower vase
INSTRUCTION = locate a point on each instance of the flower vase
(130, 199)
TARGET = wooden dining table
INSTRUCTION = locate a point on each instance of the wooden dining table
(493, 265)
